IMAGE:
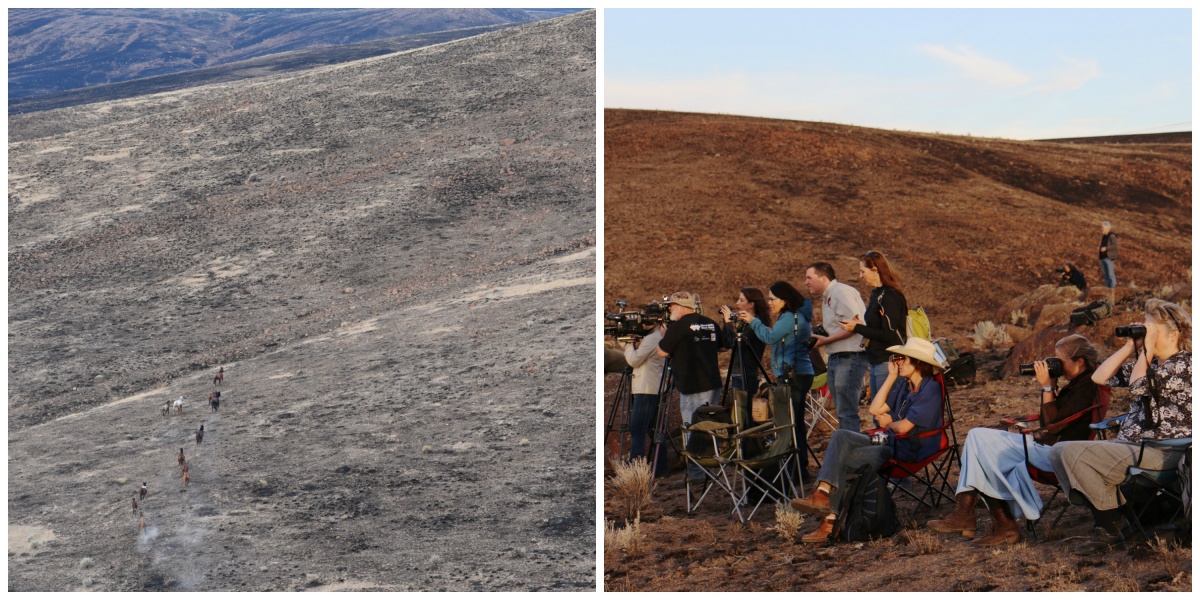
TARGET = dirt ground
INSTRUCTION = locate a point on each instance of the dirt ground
(394, 262)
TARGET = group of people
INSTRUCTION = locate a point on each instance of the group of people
(869, 341)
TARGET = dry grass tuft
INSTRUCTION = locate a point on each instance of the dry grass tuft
(988, 335)
(1172, 556)
(787, 521)
(633, 485)
(627, 539)
(1063, 579)
(922, 541)
(1019, 318)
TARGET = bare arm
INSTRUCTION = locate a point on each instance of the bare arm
(1112, 364)
(822, 340)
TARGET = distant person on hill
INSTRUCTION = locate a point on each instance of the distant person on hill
(749, 354)
(1108, 255)
(886, 317)
(691, 340)
(847, 361)
(1072, 276)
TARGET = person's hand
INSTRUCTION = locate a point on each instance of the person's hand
(884, 420)
(662, 329)
(1151, 341)
(893, 369)
(821, 340)
(745, 316)
(1042, 372)
(849, 325)
(726, 313)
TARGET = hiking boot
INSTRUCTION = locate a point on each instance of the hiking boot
(962, 520)
(1005, 529)
(822, 534)
(1101, 541)
(815, 504)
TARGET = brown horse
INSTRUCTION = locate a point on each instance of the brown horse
(219, 377)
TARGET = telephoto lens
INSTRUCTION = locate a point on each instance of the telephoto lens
(1053, 365)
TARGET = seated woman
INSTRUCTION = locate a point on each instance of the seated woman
(1160, 385)
(993, 461)
(746, 356)
(911, 407)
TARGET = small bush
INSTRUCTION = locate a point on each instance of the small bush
(86, 563)
(787, 521)
(1173, 557)
(627, 539)
(633, 484)
(1019, 318)
(988, 335)
(922, 541)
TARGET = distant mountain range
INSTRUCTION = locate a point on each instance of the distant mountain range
(56, 50)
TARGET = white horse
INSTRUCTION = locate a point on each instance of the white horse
(179, 405)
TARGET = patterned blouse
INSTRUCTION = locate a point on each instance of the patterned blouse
(1171, 405)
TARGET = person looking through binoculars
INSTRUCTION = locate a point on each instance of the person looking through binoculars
(792, 316)
(993, 461)
(748, 354)
(691, 341)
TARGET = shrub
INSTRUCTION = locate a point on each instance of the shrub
(988, 335)
(627, 539)
(787, 521)
(633, 484)
(1018, 317)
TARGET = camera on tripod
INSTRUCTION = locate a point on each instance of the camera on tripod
(628, 325)
(818, 330)
(1053, 365)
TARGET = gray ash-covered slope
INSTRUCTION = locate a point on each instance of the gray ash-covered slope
(393, 260)
(54, 49)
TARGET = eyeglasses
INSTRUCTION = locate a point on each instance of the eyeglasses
(896, 358)
(771, 298)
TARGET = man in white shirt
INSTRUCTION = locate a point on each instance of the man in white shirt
(847, 360)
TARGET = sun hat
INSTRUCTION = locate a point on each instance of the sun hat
(687, 299)
(920, 349)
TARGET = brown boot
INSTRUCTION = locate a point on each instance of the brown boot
(823, 533)
(816, 504)
(1005, 529)
(962, 520)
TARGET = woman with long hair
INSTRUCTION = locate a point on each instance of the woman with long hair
(993, 461)
(886, 317)
(1160, 386)
(747, 356)
(792, 315)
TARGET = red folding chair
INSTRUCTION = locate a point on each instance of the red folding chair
(933, 471)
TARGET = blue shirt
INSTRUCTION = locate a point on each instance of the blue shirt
(785, 347)
(923, 408)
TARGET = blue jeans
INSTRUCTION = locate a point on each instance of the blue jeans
(688, 403)
(1109, 268)
(847, 452)
(645, 408)
(845, 379)
(877, 374)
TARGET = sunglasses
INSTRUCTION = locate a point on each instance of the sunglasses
(896, 358)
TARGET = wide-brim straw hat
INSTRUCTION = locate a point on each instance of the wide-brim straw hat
(920, 349)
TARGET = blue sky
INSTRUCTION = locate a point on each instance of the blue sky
(1012, 73)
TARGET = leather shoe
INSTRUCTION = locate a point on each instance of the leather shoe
(815, 504)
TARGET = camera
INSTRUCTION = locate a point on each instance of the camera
(818, 330)
(1053, 365)
(627, 325)
(1131, 331)
(879, 438)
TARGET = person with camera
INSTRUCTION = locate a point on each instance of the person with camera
(789, 357)
(1072, 276)
(847, 362)
(747, 355)
(647, 366)
(908, 403)
(886, 315)
(692, 343)
(1160, 385)
(993, 461)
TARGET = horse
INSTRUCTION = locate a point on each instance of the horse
(219, 377)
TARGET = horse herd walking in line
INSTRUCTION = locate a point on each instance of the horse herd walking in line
(214, 403)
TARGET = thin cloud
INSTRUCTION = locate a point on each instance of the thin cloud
(1073, 73)
(977, 66)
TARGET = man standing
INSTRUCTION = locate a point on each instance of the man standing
(1108, 254)
(692, 341)
(847, 362)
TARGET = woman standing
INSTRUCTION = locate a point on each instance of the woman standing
(792, 323)
(886, 316)
(647, 376)
(747, 356)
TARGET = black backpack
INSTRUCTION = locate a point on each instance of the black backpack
(867, 509)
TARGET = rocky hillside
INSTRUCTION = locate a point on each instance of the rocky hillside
(393, 261)
(711, 203)
(53, 50)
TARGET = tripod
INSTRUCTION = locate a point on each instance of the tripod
(740, 348)
(665, 384)
(622, 405)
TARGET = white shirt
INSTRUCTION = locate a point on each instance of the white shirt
(841, 302)
(647, 364)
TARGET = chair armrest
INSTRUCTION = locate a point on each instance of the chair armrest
(1109, 422)
(1176, 445)
(1012, 421)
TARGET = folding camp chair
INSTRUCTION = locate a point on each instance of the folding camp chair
(772, 472)
(933, 471)
(1102, 428)
(1027, 424)
(816, 399)
(717, 467)
(1167, 482)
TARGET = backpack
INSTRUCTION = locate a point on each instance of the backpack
(918, 323)
(1091, 314)
(867, 509)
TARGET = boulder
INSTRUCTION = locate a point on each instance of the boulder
(1018, 334)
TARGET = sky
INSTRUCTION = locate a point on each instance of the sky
(1010, 73)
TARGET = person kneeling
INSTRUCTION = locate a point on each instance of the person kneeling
(904, 409)
(993, 461)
